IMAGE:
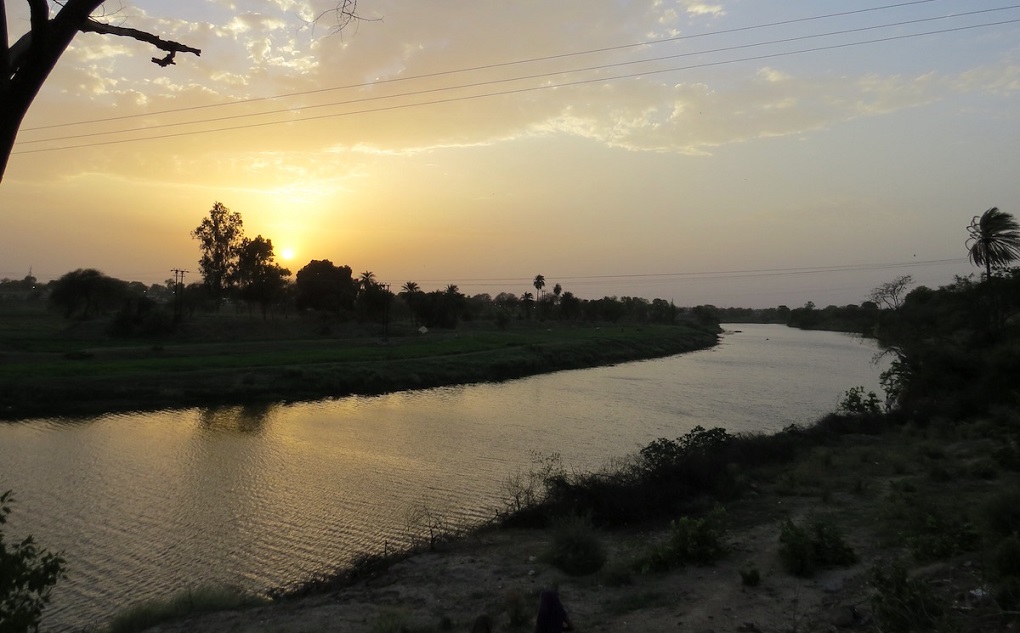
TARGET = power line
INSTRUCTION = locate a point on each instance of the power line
(488, 66)
(524, 90)
(492, 82)
(707, 275)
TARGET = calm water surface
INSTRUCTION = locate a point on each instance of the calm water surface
(145, 505)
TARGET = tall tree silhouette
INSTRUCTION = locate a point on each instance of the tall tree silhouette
(219, 237)
(994, 240)
(411, 293)
(539, 283)
(527, 303)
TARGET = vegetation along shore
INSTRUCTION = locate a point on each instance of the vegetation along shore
(48, 369)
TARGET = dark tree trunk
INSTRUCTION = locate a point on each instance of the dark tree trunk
(30, 61)
(27, 63)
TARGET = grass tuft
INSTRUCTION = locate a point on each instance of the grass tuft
(818, 545)
(190, 602)
(576, 548)
(691, 541)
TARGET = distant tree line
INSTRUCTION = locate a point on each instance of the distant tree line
(335, 294)
(240, 272)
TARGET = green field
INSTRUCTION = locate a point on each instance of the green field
(49, 366)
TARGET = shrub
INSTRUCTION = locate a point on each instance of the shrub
(517, 612)
(691, 541)
(895, 380)
(576, 548)
(27, 575)
(939, 535)
(428, 525)
(1007, 558)
(390, 621)
(524, 492)
(617, 576)
(856, 402)
(902, 605)
(664, 454)
(1007, 594)
(1003, 513)
(984, 469)
(819, 545)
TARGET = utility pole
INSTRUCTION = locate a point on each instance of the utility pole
(386, 314)
(178, 293)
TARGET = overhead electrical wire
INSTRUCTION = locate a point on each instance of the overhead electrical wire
(492, 82)
(707, 275)
(497, 93)
(443, 73)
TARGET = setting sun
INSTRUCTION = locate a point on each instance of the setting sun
(287, 254)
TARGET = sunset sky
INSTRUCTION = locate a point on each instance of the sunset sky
(733, 152)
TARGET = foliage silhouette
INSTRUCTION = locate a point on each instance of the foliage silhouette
(321, 285)
(258, 277)
(27, 575)
(220, 237)
(86, 293)
(994, 240)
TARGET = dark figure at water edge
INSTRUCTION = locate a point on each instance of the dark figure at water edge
(552, 617)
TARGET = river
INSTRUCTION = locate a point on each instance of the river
(146, 505)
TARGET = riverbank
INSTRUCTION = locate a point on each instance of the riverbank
(232, 361)
(927, 510)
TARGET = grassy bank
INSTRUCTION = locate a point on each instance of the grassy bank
(49, 368)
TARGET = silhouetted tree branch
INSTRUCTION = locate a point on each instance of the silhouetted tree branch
(171, 47)
(27, 63)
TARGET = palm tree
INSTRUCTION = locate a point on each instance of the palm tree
(452, 289)
(539, 283)
(410, 291)
(994, 240)
(367, 280)
(410, 288)
(526, 300)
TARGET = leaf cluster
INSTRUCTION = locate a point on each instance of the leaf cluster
(27, 574)
(697, 541)
(576, 548)
(902, 604)
(817, 545)
(664, 454)
(856, 402)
